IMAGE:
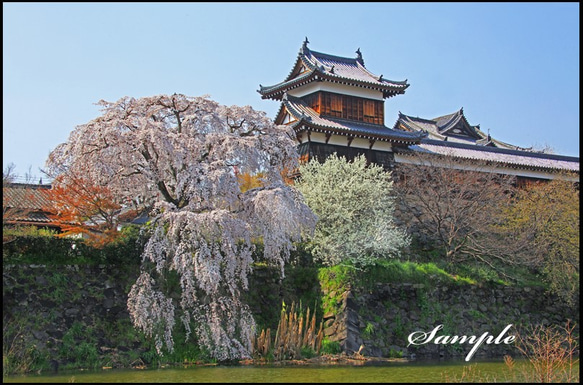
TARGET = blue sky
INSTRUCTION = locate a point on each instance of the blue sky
(513, 67)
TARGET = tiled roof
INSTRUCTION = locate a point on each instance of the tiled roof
(24, 203)
(306, 116)
(515, 158)
(442, 128)
(26, 196)
(321, 66)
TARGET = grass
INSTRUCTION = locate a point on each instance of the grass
(330, 347)
(334, 281)
(396, 271)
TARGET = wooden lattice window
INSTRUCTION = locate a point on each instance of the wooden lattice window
(346, 107)
(368, 107)
(336, 103)
(313, 101)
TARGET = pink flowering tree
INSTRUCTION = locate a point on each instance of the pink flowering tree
(180, 156)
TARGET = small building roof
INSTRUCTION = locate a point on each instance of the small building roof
(316, 66)
(25, 203)
(452, 127)
(503, 156)
(304, 117)
(25, 196)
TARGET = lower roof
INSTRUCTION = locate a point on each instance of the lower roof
(512, 158)
(306, 118)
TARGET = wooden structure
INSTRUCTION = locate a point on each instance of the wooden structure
(25, 204)
(335, 104)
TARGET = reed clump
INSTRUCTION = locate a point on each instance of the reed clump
(552, 351)
(551, 355)
(296, 336)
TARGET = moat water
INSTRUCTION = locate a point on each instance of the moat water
(393, 372)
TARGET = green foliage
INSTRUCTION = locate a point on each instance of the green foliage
(307, 352)
(186, 351)
(33, 246)
(59, 286)
(334, 282)
(28, 231)
(395, 353)
(368, 331)
(543, 222)
(399, 329)
(79, 346)
(388, 271)
(476, 314)
(18, 355)
(330, 347)
(355, 209)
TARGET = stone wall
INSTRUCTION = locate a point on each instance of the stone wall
(87, 304)
(382, 319)
(59, 309)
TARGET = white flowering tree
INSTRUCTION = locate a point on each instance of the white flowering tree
(355, 208)
(181, 155)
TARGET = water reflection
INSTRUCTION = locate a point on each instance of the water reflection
(413, 372)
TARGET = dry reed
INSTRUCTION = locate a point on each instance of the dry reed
(294, 334)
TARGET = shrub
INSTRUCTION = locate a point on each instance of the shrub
(330, 347)
(33, 246)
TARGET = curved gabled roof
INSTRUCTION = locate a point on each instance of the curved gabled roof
(305, 118)
(452, 127)
(454, 124)
(316, 66)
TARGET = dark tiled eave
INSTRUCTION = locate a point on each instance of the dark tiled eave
(303, 125)
(356, 64)
(309, 120)
(516, 159)
(499, 150)
(322, 73)
(276, 91)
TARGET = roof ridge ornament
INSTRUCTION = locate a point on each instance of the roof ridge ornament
(305, 46)
(359, 57)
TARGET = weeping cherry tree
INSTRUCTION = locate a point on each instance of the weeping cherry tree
(180, 156)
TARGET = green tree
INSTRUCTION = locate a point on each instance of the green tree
(543, 225)
(355, 210)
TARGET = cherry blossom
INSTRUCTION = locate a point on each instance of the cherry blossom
(179, 156)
